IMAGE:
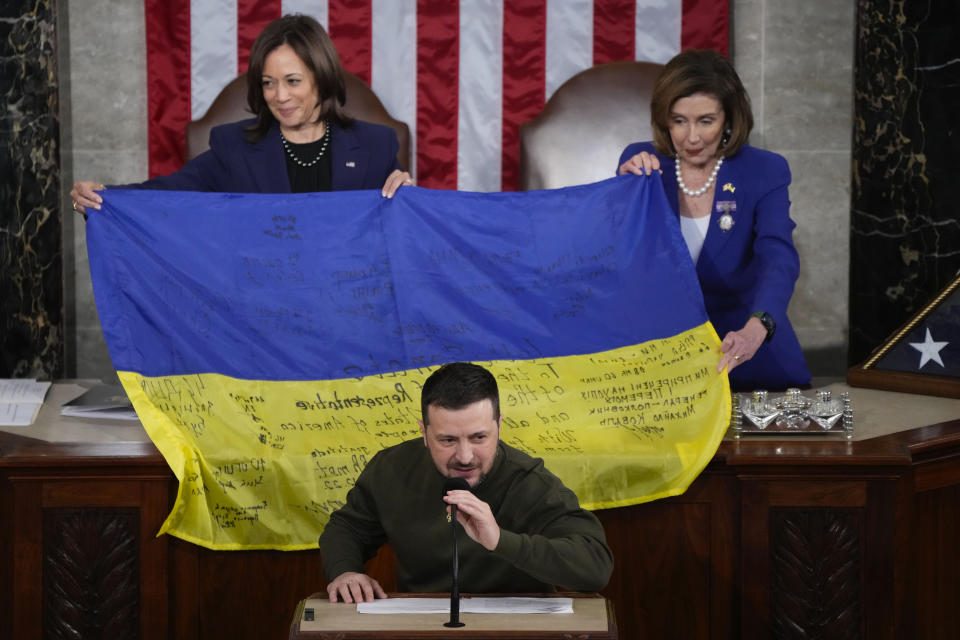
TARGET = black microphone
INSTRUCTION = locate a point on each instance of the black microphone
(454, 484)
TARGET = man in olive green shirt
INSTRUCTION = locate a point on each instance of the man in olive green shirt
(525, 531)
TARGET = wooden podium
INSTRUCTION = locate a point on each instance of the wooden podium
(317, 619)
(726, 560)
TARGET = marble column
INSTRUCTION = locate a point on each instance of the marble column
(905, 234)
(31, 269)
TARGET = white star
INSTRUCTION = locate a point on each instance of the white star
(929, 350)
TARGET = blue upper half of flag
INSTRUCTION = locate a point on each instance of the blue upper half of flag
(347, 284)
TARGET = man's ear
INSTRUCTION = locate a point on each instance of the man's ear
(423, 431)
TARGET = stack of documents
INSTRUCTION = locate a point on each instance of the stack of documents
(101, 401)
(481, 604)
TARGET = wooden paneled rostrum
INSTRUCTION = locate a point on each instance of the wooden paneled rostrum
(784, 538)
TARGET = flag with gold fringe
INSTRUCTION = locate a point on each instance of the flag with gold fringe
(272, 343)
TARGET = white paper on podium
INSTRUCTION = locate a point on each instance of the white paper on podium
(506, 604)
(20, 401)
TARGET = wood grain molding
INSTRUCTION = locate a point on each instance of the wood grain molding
(91, 582)
(815, 573)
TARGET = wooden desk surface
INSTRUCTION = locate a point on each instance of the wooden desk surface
(592, 618)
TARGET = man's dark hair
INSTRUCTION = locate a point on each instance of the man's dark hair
(458, 384)
(315, 48)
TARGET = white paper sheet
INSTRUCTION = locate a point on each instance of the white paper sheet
(23, 390)
(486, 604)
(20, 401)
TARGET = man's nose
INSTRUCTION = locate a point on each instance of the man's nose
(463, 454)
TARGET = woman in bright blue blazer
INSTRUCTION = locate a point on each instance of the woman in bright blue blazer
(734, 211)
(300, 139)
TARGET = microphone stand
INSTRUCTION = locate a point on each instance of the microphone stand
(455, 588)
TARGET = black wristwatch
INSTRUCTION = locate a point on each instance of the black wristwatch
(767, 321)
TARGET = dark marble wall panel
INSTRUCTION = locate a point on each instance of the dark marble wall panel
(905, 234)
(31, 270)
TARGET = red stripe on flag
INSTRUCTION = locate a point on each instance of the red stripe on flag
(351, 26)
(168, 83)
(438, 64)
(705, 25)
(614, 36)
(252, 17)
(524, 78)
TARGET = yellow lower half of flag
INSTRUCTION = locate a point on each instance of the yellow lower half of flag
(263, 464)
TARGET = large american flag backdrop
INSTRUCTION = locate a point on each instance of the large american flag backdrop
(462, 74)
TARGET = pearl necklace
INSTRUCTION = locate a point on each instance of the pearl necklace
(702, 190)
(323, 148)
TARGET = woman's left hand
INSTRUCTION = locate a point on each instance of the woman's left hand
(739, 346)
(394, 181)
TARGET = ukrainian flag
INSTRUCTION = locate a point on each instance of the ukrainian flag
(271, 344)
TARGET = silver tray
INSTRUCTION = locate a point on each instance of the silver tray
(792, 413)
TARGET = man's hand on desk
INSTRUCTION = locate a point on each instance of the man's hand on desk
(355, 587)
(476, 518)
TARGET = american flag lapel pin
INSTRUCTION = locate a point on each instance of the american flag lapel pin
(351, 163)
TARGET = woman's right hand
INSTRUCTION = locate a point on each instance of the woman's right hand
(644, 163)
(84, 194)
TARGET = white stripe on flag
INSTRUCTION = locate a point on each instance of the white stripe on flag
(393, 76)
(568, 50)
(480, 119)
(569, 41)
(213, 51)
(658, 29)
(318, 9)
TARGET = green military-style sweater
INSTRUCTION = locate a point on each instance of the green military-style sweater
(546, 539)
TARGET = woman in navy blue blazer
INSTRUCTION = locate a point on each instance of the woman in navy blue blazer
(734, 213)
(300, 139)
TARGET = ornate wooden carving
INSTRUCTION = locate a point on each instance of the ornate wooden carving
(91, 581)
(815, 573)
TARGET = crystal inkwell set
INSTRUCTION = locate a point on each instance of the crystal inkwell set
(759, 412)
